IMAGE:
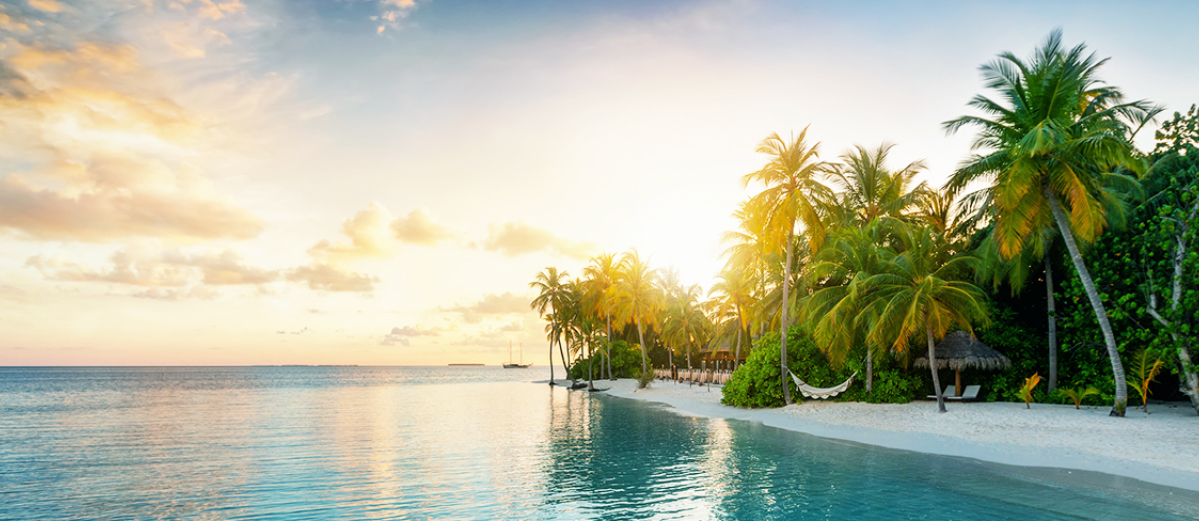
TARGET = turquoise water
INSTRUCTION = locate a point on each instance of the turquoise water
(466, 443)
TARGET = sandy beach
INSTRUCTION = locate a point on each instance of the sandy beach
(1161, 447)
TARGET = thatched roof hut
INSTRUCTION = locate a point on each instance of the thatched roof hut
(960, 350)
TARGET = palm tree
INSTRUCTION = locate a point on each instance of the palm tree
(734, 288)
(684, 320)
(601, 277)
(792, 194)
(636, 297)
(552, 295)
(1050, 150)
(867, 191)
(836, 308)
(921, 291)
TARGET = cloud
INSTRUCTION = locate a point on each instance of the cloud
(392, 13)
(368, 234)
(103, 157)
(518, 238)
(198, 292)
(323, 277)
(8, 24)
(493, 304)
(49, 6)
(170, 268)
(405, 334)
(183, 38)
(416, 228)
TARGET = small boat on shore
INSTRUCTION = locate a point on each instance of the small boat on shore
(521, 365)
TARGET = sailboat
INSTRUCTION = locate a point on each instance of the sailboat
(521, 365)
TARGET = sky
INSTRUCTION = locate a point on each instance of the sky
(236, 182)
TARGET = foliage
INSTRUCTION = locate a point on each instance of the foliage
(1142, 371)
(756, 383)
(1026, 390)
(1076, 395)
(644, 377)
(626, 362)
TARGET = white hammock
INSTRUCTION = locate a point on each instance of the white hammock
(823, 393)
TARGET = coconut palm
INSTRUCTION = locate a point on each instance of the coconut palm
(836, 309)
(601, 277)
(552, 295)
(1049, 151)
(636, 297)
(792, 194)
(684, 322)
(867, 189)
(734, 290)
(920, 292)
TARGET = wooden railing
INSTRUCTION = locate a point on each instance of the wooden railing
(716, 375)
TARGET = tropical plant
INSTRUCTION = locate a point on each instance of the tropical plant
(792, 194)
(921, 292)
(1144, 370)
(734, 290)
(602, 274)
(1025, 391)
(552, 295)
(636, 298)
(1049, 152)
(1077, 395)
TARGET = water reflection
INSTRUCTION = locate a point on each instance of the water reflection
(435, 443)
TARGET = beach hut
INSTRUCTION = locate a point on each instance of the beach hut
(961, 349)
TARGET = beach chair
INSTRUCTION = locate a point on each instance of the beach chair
(969, 395)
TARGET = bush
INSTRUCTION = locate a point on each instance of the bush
(756, 384)
(626, 362)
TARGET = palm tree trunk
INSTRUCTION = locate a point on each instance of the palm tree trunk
(740, 333)
(932, 364)
(590, 366)
(869, 369)
(608, 319)
(641, 338)
(785, 308)
(562, 354)
(1088, 284)
(554, 334)
(1051, 307)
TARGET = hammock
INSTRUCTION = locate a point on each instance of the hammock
(823, 393)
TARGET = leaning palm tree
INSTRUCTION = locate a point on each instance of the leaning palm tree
(792, 194)
(636, 297)
(921, 292)
(1050, 150)
(601, 277)
(552, 295)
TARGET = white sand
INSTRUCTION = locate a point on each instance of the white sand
(1161, 447)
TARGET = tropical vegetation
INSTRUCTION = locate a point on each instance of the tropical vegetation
(847, 266)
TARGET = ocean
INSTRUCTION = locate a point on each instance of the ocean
(267, 443)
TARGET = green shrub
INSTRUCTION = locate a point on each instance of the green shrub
(626, 363)
(756, 384)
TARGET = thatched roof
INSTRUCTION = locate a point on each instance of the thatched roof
(960, 350)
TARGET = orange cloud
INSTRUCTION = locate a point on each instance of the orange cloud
(170, 269)
(416, 228)
(405, 335)
(368, 234)
(8, 24)
(493, 304)
(111, 161)
(517, 238)
(49, 6)
(323, 277)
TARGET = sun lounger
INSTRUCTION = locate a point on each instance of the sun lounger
(969, 395)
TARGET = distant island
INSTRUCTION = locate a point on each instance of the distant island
(463, 364)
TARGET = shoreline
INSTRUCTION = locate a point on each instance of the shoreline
(1161, 448)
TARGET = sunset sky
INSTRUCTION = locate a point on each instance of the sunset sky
(212, 182)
